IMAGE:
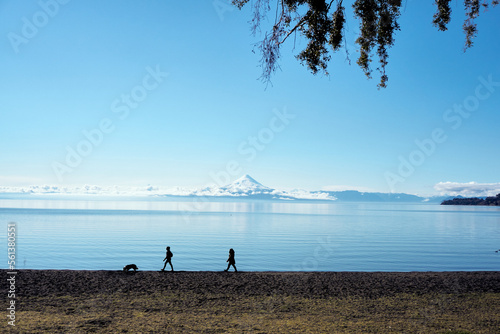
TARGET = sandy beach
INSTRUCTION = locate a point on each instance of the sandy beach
(262, 302)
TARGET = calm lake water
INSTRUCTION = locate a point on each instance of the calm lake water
(90, 233)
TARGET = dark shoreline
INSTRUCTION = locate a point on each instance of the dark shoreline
(39, 283)
(474, 201)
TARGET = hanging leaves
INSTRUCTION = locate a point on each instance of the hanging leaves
(378, 24)
(472, 9)
(337, 29)
(316, 28)
(323, 26)
(387, 25)
(443, 14)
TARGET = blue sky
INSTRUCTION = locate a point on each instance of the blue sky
(167, 93)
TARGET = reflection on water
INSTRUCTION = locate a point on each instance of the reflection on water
(90, 233)
(181, 205)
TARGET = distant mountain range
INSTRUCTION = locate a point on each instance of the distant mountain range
(356, 196)
(244, 187)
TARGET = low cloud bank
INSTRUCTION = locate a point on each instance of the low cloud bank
(470, 189)
(212, 191)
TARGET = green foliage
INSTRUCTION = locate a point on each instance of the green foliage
(316, 28)
(322, 24)
(443, 14)
(337, 28)
(378, 24)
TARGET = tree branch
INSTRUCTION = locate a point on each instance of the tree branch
(299, 24)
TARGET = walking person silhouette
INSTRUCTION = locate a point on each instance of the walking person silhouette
(230, 261)
(168, 259)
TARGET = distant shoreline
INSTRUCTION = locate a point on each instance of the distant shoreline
(475, 201)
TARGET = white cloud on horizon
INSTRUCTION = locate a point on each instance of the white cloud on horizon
(210, 191)
(470, 189)
(96, 190)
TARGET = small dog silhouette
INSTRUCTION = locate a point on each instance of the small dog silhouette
(130, 266)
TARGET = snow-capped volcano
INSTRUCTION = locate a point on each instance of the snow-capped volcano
(246, 185)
